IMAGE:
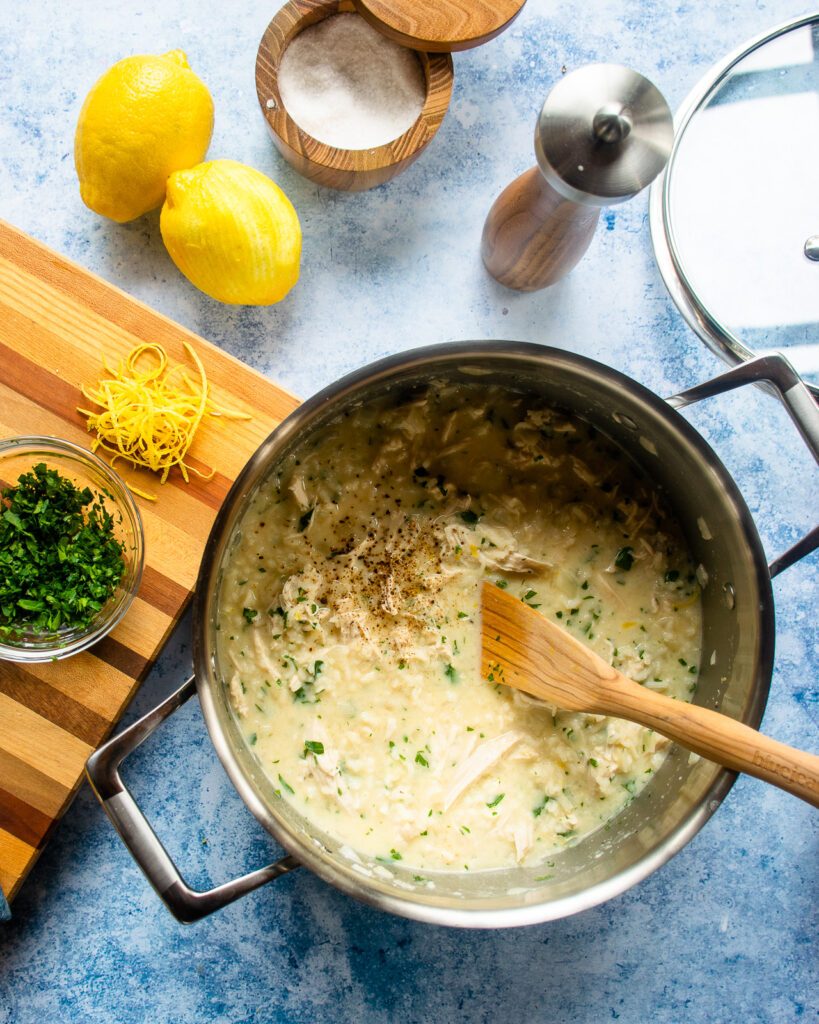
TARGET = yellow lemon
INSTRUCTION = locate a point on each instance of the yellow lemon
(147, 117)
(232, 232)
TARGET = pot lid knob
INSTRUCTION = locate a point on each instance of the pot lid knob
(604, 133)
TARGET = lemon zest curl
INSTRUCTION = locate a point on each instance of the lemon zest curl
(149, 416)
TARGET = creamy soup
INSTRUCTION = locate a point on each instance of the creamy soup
(349, 626)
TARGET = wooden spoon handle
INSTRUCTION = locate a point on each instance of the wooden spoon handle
(715, 736)
(523, 649)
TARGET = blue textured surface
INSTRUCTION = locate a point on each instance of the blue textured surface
(727, 930)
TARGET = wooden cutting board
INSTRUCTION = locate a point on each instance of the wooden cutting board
(56, 320)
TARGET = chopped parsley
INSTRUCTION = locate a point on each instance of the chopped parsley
(306, 693)
(249, 614)
(60, 560)
(497, 800)
(420, 759)
(278, 611)
(313, 747)
(451, 673)
(624, 559)
(470, 517)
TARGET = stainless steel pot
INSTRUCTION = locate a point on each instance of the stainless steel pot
(738, 644)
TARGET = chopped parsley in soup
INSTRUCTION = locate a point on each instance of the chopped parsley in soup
(350, 636)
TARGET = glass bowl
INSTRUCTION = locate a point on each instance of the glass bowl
(19, 455)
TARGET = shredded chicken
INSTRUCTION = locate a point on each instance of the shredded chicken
(486, 755)
(513, 561)
(237, 695)
(350, 616)
(299, 493)
(523, 835)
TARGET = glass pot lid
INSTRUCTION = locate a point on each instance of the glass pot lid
(735, 217)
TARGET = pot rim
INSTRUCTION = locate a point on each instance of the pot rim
(371, 891)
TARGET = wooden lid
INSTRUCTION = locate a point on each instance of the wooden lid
(439, 26)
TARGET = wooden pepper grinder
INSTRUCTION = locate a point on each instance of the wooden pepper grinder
(604, 133)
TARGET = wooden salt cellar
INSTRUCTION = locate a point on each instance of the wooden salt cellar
(432, 28)
(604, 133)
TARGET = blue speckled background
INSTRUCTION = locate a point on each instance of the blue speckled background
(727, 931)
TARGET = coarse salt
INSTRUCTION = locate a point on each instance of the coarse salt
(348, 86)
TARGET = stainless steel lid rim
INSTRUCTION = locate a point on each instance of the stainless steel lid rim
(719, 338)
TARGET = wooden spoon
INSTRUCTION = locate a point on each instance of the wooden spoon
(523, 649)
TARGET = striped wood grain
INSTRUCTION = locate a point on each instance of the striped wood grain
(440, 25)
(348, 169)
(56, 321)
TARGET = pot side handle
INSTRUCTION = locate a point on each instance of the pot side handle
(802, 409)
(102, 768)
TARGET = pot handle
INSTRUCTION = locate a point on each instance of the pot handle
(802, 409)
(102, 768)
